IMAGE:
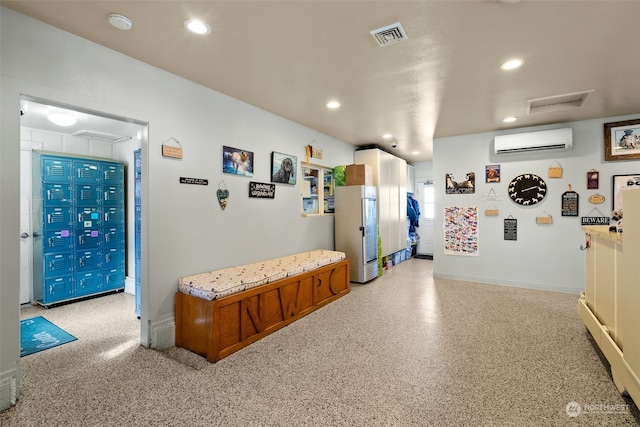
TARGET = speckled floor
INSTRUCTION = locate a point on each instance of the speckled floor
(404, 350)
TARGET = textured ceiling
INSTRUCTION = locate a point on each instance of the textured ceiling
(291, 57)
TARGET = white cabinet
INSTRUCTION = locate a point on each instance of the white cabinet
(609, 305)
(390, 177)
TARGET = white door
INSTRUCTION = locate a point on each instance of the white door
(26, 239)
(425, 230)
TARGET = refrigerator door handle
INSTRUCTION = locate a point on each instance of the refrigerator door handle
(362, 229)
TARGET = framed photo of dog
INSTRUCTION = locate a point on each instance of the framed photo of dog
(284, 168)
(622, 140)
(237, 161)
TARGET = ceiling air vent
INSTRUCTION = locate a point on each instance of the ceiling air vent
(103, 136)
(557, 103)
(389, 35)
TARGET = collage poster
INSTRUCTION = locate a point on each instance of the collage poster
(461, 230)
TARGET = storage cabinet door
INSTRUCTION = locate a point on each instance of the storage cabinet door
(112, 174)
(56, 169)
(88, 283)
(87, 171)
(57, 289)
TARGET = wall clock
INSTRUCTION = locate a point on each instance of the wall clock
(527, 189)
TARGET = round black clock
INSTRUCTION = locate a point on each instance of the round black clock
(527, 189)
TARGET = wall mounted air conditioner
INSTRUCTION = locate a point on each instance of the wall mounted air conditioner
(555, 139)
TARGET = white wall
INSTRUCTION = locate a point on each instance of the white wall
(544, 256)
(184, 229)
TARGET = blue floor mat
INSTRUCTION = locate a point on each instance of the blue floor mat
(38, 334)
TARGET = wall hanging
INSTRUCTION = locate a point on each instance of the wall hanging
(236, 161)
(461, 230)
(172, 148)
(195, 181)
(491, 196)
(555, 171)
(544, 218)
(492, 173)
(223, 194)
(261, 190)
(284, 168)
(468, 186)
(596, 199)
(593, 179)
(510, 228)
(492, 211)
(527, 189)
(595, 217)
(622, 140)
(620, 183)
(570, 202)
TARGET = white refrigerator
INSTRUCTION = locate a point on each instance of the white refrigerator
(356, 229)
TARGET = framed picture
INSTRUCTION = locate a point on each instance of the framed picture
(623, 183)
(237, 162)
(622, 140)
(492, 173)
(284, 168)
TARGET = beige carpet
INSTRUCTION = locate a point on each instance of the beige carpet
(404, 350)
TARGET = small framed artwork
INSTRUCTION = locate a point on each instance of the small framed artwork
(284, 168)
(593, 179)
(492, 173)
(623, 183)
(236, 161)
(622, 140)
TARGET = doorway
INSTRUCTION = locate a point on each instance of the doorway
(86, 134)
(425, 231)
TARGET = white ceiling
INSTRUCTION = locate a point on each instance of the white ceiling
(291, 57)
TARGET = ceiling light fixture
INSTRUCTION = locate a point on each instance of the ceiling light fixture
(119, 21)
(512, 64)
(62, 119)
(510, 119)
(333, 105)
(196, 26)
(387, 136)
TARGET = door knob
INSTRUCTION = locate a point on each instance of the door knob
(24, 235)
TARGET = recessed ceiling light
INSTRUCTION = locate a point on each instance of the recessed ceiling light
(415, 152)
(197, 26)
(510, 119)
(512, 64)
(387, 136)
(333, 105)
(120, 22)
(62, 119)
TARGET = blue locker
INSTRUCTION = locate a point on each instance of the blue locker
(57, 241)
(69, 194)
(114, 216)
(113, 278)
(57, 289)
(89, 238)
(88, 195)
(88, 260)
(88, 217)
(113, 195)
(113, 237)
(54, 194)
(88, 283)
(55, 169)
(56, 218)
(112, 257)
(112, 173)
(58, 264)
(87, 171)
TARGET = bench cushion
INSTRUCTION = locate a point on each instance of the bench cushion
(219, 283)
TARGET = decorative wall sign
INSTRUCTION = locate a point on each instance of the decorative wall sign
(492, 211)
(261, 190)
(491, 196)
(596, 199)
(492, 173)
(622, 183)
(461, 230)
(510, 228)
(173, 151)
(595, 217)
(593, 179)
(284, 168)
(527, 189)
(468, 186)
(544, 218)
(622, 140)
(223, 195)
(236, 161)
(570, 203)
(196, 181)
(555, 171)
